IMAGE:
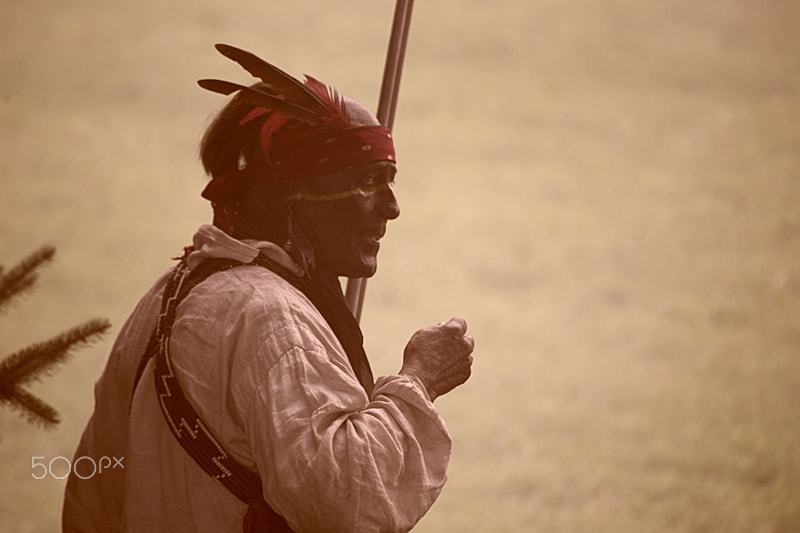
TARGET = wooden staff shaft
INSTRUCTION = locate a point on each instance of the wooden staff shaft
(386, 108)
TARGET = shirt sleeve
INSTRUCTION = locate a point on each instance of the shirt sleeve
(332, 459)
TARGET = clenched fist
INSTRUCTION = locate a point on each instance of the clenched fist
(440, 356)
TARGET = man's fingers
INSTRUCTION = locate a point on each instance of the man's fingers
(470, 342)
(440, 356)
(457, 324)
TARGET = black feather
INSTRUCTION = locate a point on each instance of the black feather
(260, 98)
(220, 86)
(274, 77)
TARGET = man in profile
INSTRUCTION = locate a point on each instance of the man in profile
(238, 391)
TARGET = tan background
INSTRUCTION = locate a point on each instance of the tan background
(607, 191)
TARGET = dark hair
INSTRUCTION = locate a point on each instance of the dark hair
(228, 147)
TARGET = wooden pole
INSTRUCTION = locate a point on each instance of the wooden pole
(387, 105)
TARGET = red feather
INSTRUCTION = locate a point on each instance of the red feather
(334, 102)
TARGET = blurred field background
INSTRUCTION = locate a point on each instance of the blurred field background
(607, 191)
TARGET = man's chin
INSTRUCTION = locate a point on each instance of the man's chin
(365, 268)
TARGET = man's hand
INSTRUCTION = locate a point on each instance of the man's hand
(440, 356)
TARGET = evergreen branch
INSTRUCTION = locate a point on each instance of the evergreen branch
(26, 366)
(38, 360)
(35, 410)
(23, 276)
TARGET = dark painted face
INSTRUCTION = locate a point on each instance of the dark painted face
(345, 214)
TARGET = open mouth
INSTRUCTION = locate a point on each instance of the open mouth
(370, 241)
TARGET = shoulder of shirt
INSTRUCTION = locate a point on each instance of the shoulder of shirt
(253, 289)
(255, 318)
(262, 307)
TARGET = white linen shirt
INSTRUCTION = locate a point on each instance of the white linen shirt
(264, 370)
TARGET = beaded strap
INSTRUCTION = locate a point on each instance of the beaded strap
(191, 432)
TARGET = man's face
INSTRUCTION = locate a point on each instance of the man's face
(345, 214)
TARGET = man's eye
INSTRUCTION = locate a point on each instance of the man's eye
(368, 180)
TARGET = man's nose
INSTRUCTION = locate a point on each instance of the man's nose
(389, 206)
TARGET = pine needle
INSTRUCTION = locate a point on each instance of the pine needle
(33, 409)
(20, 279)
(38, 360)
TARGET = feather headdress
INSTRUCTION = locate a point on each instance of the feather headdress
(312, 102)
(307, 130)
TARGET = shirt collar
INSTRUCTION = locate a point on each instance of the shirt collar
(211, 242)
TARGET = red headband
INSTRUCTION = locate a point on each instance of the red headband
(333, 152)
(321, 153)
(316, 155)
